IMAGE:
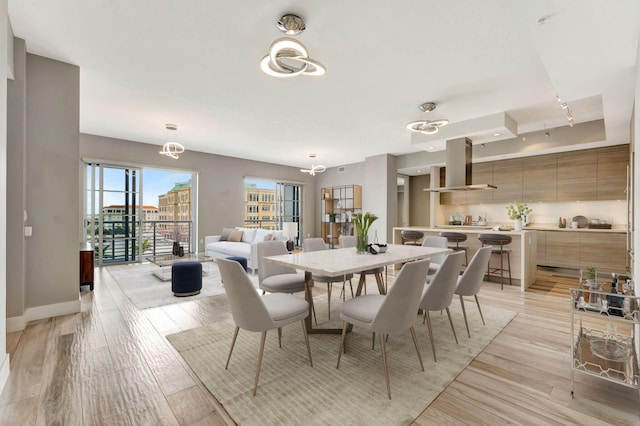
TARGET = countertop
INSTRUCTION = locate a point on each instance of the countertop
(540, 227)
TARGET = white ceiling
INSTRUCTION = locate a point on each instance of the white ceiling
(195, 63)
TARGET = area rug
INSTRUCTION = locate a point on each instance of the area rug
(292, 392)
(145, 290)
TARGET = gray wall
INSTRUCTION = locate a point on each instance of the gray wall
(16, 186)
(220, 179)
(52, 197)
(419, 200)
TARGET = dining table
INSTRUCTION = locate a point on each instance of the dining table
(343, 261)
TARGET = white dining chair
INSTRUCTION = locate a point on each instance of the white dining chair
(318, 244)
(470, 281)
(438, 294)
(435, 261)
(347, 241)
(274, 278)
(390, 314)
(253, 312)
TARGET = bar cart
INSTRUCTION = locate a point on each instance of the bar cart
(605, 323)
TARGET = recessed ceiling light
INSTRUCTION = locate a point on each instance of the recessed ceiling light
(497, 134)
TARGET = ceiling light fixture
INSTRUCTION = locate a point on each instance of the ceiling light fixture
(314, 169)
(171, 149)
(565, 107)
(427, 127)
(288, 57)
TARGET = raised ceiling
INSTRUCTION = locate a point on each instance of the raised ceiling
(150, 62)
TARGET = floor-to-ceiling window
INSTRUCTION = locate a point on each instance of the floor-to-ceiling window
(273, 205)
(133, 212)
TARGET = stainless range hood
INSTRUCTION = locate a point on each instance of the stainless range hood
(459, 168)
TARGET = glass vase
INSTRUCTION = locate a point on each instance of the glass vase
(361, 244)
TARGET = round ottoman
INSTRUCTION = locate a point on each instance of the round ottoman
(240, 260)
(186, 278)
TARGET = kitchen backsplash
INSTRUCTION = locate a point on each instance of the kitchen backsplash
(614, 212)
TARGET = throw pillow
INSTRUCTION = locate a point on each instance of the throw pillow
(235, 236)
(268, 237)
(224, 236)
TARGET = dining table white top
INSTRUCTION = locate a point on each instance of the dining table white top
(337, 262)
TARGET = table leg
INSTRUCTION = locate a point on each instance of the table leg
(308, 296)
(380, 283)
(361, 283)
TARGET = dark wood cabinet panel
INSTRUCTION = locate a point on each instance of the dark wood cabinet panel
(540, 178)
(578, 175)
(86, 265)
(612, 172)
(507, 176)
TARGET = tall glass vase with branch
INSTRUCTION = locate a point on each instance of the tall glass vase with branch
(363, 222)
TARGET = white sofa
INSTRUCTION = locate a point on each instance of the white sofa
(246, 248)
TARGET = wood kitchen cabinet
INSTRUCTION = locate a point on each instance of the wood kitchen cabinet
(540, 178)
(578, 175)
(507, 176)
(482, 173)
(612, 172)
(562, 249)
(578, 249)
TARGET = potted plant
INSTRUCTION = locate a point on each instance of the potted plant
(363, 221)
(518, 213)
(592, 275)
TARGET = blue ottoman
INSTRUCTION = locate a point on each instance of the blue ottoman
(240, 260)
(186, 278)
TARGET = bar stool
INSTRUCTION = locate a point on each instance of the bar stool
(411, 237)
(498, 243)
(457, 238)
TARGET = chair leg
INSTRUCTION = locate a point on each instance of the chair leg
(329, 287)
(464, 314)
(433, 344)
(280, 337)
(415, 343)
(452, 328)
(501, 270)
(344, 334)
(233, 342)
(479, 310)
(262, 339)
(373, 340)
(384, 361)
(306, 340)
(509, 264)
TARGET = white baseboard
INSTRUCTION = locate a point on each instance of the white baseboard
(40, 312)
(4, 372)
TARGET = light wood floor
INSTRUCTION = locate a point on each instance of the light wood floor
(111, 364)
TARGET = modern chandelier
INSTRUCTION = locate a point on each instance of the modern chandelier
(171, 149)
(427, 127)
(314, 169)
(288, 57)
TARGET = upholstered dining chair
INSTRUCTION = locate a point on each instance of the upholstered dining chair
(438, 294)
(275, 278)
(252, 312)
(435, 261)
(390, 314)
(318, 244)
(470, 281)
(346, 241)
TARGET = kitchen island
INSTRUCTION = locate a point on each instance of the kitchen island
(523, 249)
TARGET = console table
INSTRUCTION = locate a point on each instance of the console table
(86, 265)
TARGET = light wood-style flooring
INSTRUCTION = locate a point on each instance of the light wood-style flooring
(111, 365)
